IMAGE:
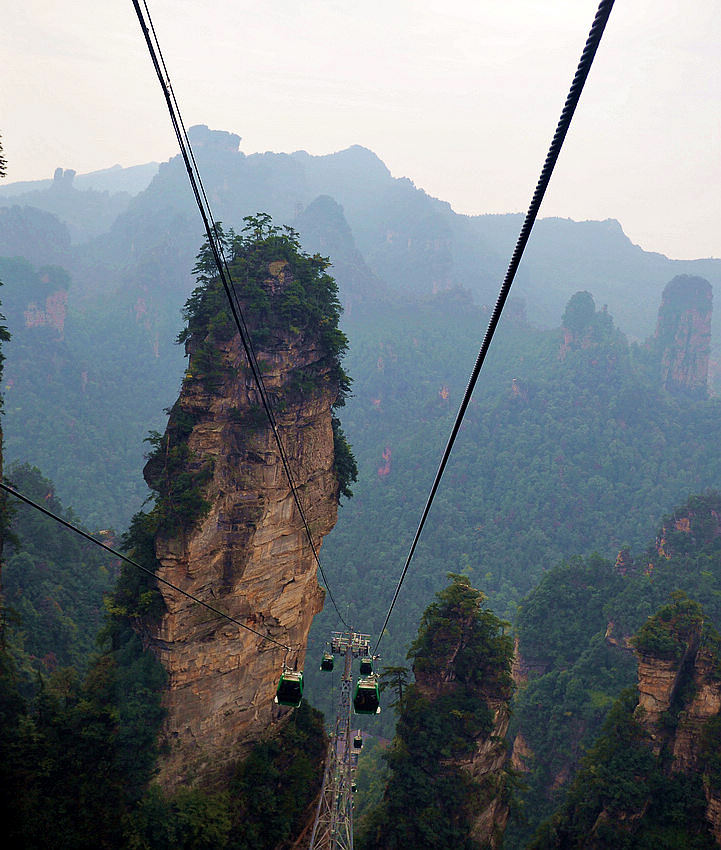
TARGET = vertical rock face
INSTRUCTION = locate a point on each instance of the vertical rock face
(487, 762)
(248, 555)
(680, 700)
(446, 679)
(683, 334)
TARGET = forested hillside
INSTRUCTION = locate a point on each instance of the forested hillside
(391, 243)
(574, 640)
(566, 449)
(575, 443)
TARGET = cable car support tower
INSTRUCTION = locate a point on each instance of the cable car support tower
(333, 826)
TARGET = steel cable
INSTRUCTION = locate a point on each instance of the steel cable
(579, 80)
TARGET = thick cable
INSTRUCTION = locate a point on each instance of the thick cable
(223, 271)
(579, 80)
(69, 525)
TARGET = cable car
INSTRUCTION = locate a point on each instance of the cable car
(290, 688)
(366, 667)
(367, 696)
(327, 661)
(358, 741)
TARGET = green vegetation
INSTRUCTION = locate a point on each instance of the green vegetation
(463, 656)
(78, 753)
(344, 465)
(567, 449)
(82, 389)
(628, 795)
(53, 582)
(668, 632)
(79, 757)
(620, 775)
(576, 673)
(282, 293)
(79, 741)
(265, 805)
(280, 288)
(576, 455)
(174, 475)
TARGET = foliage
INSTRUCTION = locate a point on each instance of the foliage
(580, 312)
(53, 582)
(346, 470)
(5, 511)
(619, 779)
(371, 778)
(559, 455)
(175, 475)
(576, 672)
(303, 306)
(80, 754)
(558, 618)
(710, 752)
(136, 598)
(395, 679)
(458, 630)
(667, 634)
(81, 394)
(276, 785)
(265, 804)
(429, 800)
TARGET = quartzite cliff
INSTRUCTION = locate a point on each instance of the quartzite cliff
(683, 334)
(245, 551)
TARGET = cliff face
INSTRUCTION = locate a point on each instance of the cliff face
(248, 555)
(683, 334)
(444, 682)
(679, 707)
(486, 763)
(448, 779)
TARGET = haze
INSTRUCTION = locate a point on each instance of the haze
(462, 97)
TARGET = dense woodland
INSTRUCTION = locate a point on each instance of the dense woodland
(569, 454)
(428, 800)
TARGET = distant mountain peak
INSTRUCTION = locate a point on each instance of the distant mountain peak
(202, 137)
(683, 334)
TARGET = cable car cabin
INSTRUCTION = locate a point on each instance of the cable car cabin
(357, 742)
(367, 696)
(327, 661)
(366, 667)
(290, 688)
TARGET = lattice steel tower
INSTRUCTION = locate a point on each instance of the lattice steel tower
(333, 827)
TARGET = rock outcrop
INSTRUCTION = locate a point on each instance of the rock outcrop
(683, 335)
(247, 554)
(445, 678)
(679, 702)
(448, 783)
(485, 765)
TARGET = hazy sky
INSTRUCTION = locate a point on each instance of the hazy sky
(462, 96)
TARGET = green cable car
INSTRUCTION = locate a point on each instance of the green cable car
(327, 661)
(367, 696)
(290, 688)
(358, 741)
(366, 667)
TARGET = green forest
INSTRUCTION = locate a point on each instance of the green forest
(573, 633)
(573, 451)
(558, 456)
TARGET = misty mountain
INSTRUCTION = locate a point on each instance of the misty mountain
(415, 243)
